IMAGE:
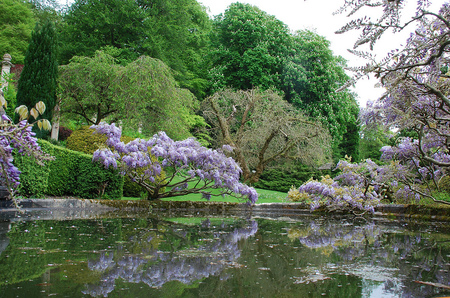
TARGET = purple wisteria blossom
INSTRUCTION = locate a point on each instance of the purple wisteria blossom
(416, 78)
(17, 137)
(167, 168)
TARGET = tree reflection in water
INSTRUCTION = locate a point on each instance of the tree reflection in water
(183, 266)
(222, 257)
(380, 253)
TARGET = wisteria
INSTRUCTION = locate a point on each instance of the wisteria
(167, 168)
(417, 85)
(416, 101)
(351, 190)
(18, 137)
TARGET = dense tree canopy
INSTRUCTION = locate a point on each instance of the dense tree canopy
(175, 32)
(249, 48)
(90, 25)
(263, 128)
(143, 95)
(16, 24)
(311, 76)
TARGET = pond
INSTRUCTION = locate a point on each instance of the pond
(188, 256)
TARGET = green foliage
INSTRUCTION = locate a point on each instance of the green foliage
(93, 24)
(176, 32)
(84, 140)
(88, 87)
(371, 141)
(38, 80)
(10, 95)
(70, 173)
(311, 76)
(46, 10)
(249, 48)
(16, 24)
(152, 100)
(143, 95)
(33, 177)
(282, 179)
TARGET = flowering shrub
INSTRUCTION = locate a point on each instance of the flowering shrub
(182, 161)
(359, 186)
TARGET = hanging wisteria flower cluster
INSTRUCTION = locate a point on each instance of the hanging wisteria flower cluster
(167, 168)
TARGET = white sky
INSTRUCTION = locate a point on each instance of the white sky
(317, 15)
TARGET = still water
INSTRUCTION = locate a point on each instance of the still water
(224, 257)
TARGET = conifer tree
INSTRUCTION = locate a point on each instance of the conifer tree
(38, 80)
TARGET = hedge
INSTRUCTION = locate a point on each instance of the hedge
(71, 173)
(283, 179)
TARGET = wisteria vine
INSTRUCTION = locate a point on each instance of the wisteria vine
(167, 168)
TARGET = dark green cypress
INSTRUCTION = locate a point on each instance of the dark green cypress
(38, 80)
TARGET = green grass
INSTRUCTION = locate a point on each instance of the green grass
(265, 196)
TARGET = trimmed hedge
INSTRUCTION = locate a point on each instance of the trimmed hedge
(71, 173)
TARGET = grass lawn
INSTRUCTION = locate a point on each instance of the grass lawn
(265, 196)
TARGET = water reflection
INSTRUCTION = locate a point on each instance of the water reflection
(188, 256)
(185, 266)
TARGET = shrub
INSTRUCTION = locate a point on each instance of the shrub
(283, 179)
(71, 173)
(84, 140)
(64, 133)
(33, 177)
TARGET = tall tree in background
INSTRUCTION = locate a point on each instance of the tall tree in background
(46, 10)
(249, 48)
(311, 76)
(16, 24)
(38, 81)
(90, 25)
(176, 32)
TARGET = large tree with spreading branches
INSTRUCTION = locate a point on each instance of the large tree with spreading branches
(263, 128)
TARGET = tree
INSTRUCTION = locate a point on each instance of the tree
(417, 94)
(16, 24)
(88, 87)
(311, 76)
(38, 80)
(263, 128)
(90, 25)
(46, 10)
(143, 95)
(178, 34)
(183, 162)
(249, 48)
